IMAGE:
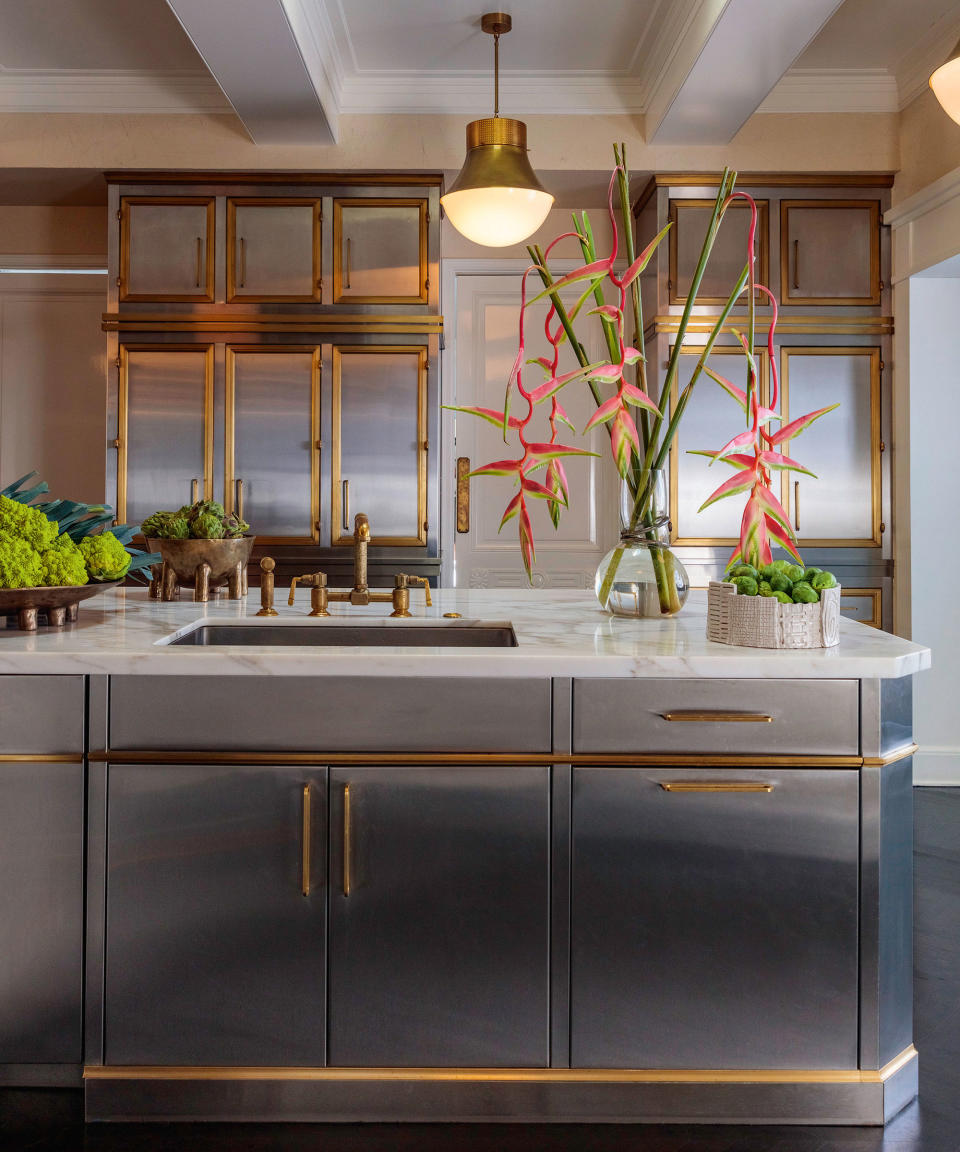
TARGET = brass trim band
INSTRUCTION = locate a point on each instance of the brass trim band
(891, 757)
(41, 758)
(270, 322)
(815, 325)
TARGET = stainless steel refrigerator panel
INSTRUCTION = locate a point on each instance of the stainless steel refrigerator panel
(214, 952)
(714, 929)
(439, 917)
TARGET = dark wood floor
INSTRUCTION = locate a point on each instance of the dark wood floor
(47, 1121)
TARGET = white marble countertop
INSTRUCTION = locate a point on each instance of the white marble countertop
(559, 633)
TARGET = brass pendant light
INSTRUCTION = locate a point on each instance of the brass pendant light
(496, 199)
(945, 83)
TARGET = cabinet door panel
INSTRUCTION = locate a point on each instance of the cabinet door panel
(379, 451)
(41, 913)
(690, 219)
(273, 249)
(715, 929)
(272, 439)
(165, 428)
(710, 420)
(166, 248)
(830, 251)
(380, 250)
(439, 923)
(214, 955)
(841, 506)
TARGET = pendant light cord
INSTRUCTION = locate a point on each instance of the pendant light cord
(496, 74)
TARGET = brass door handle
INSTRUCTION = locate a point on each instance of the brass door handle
(796, 263)
(243, 261)
(693, 717)
(796, 505)
(715, 786)
(346, 505)
(239, 497)
(346, 279)
(463, 493)
(305, 844)
(199, 259)
(194, 490)
(346, 840)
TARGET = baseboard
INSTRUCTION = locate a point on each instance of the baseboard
(937, 768)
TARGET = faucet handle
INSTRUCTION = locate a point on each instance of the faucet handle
(267, 565)
(416, 580)
(311, 580)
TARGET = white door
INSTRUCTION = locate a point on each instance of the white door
(485, 333)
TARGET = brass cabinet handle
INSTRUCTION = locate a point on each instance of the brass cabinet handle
(463, 493)
(239, 498)
(199, 258)
(346, 505)
(796, 505)
(693, 717)
(243, 261)
(796, 263)
(194, 490)
(715, 786)
(346, 839)
(346, 280)
(305, 844)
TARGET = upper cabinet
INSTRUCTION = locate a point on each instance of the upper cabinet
(273, 249)
(690, 220)
(167, 248)
(830, 252)
(380, 250)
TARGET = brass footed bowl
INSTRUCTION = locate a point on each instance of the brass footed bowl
(186, 558)
(58, 604)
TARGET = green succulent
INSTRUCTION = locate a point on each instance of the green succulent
(803, 593)
(781, 582)
(745, 585)
(824, 580)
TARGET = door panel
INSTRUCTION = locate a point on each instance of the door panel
(41, 913)
(690, 219)
(165, 428)
(715, 929)
(167, 248)
(214, 955)
(272, 441)
(379, 461)
(439, 917)
(830, 251)
(380, 250)
(842, 448)
(273, 249)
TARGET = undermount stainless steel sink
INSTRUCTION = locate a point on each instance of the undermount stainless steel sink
(459, 634)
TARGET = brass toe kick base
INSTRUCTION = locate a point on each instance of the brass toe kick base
(504, 1094)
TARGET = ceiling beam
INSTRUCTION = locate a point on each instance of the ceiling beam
(732, 55)
(254, 55)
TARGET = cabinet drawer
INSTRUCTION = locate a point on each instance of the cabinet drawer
(41, 715)
(717, 717)
(347, 714)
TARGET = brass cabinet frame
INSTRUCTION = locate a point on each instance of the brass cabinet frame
(760, 355)
(875, 540)
(316, 296)
(763, 250)
(874, 595)
(229, 431)
(206, 293)
(338, 537)
(123, 361)
(341, 202)
(874, 298)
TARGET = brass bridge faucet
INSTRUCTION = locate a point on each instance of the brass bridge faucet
(360, 593)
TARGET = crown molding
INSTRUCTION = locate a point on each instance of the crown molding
(114, 92)
(935, 195)
(930, 51)
(834, 90)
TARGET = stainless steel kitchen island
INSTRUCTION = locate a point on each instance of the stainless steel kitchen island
(611, 873)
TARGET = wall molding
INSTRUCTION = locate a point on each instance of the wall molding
(834, 90)
(937, 768)
(924, 201)
(114, 92)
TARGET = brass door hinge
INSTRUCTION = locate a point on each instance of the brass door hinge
(883, 527)
(882, 366)
(883, 446)
(119, 214)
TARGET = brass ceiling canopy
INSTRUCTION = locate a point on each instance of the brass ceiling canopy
(496, 199)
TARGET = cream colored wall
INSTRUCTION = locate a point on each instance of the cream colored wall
(53, 231)
(929, 146)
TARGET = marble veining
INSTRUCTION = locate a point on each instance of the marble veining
(559, 633)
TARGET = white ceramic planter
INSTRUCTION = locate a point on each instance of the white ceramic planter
(763, 622)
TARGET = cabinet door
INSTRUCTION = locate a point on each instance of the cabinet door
(690, 220)
(273, 249)
(166, 248)
(379, 462)
(841, 506)
(41, 912)
(714, 918)
(272, 441)
(165, 428)
(439, 925)
(711, 418)
(830, 251)
(215, 947)
(380, 250)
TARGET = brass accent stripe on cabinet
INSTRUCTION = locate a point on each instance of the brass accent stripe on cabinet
(814, 325)
(350, 179)
(763, 180)
(518, 1075)
(40, 758)
(891, 757)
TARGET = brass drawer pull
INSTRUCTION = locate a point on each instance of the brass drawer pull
(715, 786)
(305, 844)
(243, 262)
(463, 493)
(346, 505)
(796, 263)
(239, 497)
(346, 280)
(199, 259)
(796, 505)
(346, 839)
(718, 717)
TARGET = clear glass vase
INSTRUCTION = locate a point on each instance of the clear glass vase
(642, 576)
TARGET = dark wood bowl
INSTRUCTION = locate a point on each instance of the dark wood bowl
(59, 605)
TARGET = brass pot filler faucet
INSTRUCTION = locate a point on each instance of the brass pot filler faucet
(360, 593)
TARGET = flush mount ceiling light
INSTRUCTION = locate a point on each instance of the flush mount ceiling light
(496, 199)
(945, 83)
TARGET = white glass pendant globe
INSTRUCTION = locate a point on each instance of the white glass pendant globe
(945, 83)
(497, 217)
